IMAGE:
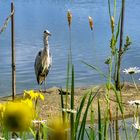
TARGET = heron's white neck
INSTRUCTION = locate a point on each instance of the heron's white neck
(46, 43)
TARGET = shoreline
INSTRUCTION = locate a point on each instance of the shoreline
(51, 106)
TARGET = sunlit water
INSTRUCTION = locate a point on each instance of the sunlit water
(33, 16)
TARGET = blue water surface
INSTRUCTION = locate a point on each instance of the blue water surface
(32, 17)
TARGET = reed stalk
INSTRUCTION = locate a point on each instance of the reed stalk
(117, 84)
(69, 63)
(99, 122)
(72, 105)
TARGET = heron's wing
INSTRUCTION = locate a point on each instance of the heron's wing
(48, 65)
(38, 64)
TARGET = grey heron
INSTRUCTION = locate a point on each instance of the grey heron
(43, 60)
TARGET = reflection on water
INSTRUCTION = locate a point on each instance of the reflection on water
(32, 17)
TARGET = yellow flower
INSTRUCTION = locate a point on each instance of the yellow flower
(17, 116)
(69, 17)
(33, 95)
(41, 96)
(58, 129)
(28, 102)
(90, 22)
(2, 108)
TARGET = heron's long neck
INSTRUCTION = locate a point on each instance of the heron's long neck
(46, 44)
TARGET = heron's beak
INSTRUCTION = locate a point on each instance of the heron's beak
(49, 34)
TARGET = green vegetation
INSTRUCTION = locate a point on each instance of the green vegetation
(20, 117)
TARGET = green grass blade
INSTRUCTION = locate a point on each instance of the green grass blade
(68, 78)
(72, 104)
(62, 105)
(79, 112)
(83, 124)
(44, 131)
(82, 127)
(95, 68)
(106, 126)
(6, 134)
(109, 8)
(32, 132)
(92, 131)
(118, 28)
(99, 122)
(114, 8)
(118, 99)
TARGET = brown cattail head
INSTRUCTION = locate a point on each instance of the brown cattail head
(69, 17)
(90, 22)
(112, 24)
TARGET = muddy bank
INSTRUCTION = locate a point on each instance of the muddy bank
(51, 106)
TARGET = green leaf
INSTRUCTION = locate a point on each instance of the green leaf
(113, 45)
(72, 104)
(95, 68)
(79, 112)
(118, 28)
(99, 122)
(62, 105)
(83, 123)
(108, 61)
(32, 132)
(127, 44)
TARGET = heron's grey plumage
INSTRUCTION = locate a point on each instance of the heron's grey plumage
(43, 60)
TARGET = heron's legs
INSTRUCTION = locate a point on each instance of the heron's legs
(45, 85)
(40, 88)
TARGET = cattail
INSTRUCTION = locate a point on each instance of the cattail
(69, 16)
(90, 22)
(112, 24)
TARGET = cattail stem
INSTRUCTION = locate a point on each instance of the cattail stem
(117, 82)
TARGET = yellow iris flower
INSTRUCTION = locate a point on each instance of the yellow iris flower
(17, 116)
(33, 95)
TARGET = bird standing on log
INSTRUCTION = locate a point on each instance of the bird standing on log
(43, 60)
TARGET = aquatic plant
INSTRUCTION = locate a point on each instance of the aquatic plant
(34, 96)
(73, 123)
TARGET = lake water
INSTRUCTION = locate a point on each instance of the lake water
(32, 17)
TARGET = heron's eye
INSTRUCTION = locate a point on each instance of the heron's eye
(44, 31)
